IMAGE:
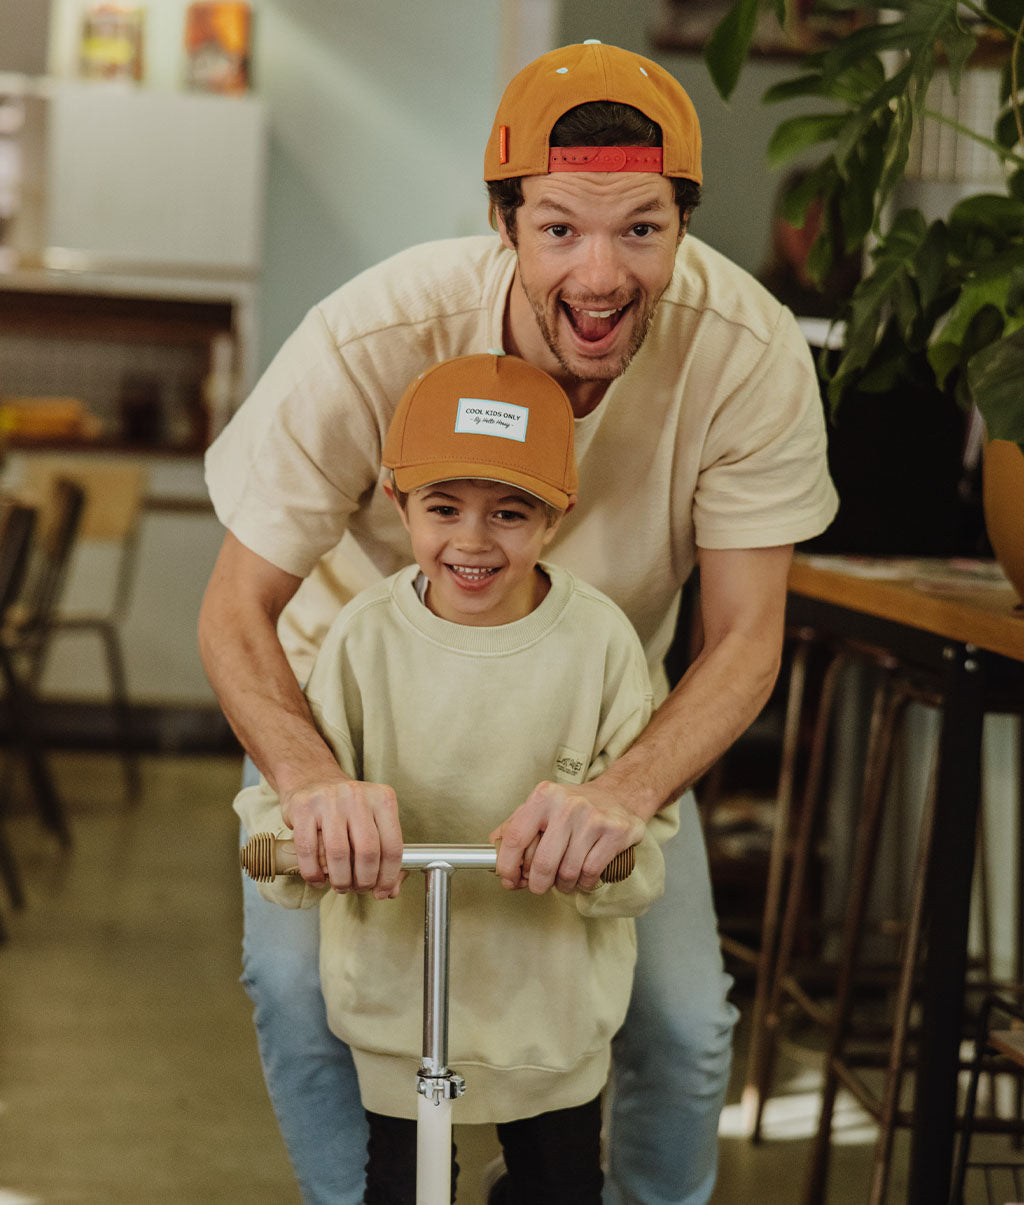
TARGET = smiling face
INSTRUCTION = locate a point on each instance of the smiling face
(477, 543)
(595, 253)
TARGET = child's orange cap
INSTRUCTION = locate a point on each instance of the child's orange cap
(492, 417)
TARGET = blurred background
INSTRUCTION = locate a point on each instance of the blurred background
(168, 215)
(179, 183)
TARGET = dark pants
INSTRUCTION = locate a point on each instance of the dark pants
(552, 1159)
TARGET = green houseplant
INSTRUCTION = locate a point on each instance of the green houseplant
(949, 292)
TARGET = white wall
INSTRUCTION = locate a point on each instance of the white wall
(378, 118)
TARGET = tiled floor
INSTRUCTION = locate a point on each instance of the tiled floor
(128, 1069)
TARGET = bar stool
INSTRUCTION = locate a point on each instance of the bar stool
(780, 982)
(843, 1063)
(793, 845)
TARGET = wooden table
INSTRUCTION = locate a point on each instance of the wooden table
(950, 620)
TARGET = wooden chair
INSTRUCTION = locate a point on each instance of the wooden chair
(24, 628)
(17, 525)
(114, 494)
(28, 622)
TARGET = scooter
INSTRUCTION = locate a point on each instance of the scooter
(264, 856)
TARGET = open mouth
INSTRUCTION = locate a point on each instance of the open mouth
(594, 325)
(471, 574)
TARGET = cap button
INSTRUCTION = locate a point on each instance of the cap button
(591, 41)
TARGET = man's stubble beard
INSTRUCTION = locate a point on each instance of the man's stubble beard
(641, 330)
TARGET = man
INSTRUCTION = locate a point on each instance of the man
(699, 436)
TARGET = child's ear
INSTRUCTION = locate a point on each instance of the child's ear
(388, 487)
(554, 525)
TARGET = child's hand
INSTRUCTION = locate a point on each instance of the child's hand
(347, 831)
(563, 836)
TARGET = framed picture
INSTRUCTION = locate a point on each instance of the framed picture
(686, 25)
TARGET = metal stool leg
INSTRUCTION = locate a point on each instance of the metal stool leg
(752, 1092)
(765, 1039)
(898, 1048)
(885, 715)
(122, 712)
(22, 713)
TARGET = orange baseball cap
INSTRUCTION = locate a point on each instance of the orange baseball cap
(575, 75)
(490, 416)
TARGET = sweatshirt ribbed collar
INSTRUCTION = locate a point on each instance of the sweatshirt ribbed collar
(495, 641)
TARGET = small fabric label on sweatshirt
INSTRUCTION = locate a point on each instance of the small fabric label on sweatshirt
(570, 766)
(478, 416)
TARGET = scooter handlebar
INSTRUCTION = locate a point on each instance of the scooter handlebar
(265, 856)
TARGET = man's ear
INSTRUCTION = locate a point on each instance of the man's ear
(388, 487)
(503, 233)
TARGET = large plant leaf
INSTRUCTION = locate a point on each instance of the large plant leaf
(795, 135)
(727, 48)
(932, 267)
(975, 328)
(999, 217)
(995, 376)
(1006, 132)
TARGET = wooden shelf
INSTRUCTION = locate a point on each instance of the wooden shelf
(113, 319)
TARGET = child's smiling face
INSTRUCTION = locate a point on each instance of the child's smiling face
(478, 543)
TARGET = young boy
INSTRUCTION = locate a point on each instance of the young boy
(462, 682)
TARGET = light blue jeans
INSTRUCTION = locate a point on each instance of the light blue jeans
(671, 1057)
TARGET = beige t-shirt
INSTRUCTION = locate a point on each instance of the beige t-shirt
(713, 437)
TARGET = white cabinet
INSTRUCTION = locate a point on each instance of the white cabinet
(141, 176)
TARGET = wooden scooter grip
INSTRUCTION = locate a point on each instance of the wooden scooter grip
(265, 856)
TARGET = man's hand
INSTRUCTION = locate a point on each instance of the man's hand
(564, 836)
(349, 832)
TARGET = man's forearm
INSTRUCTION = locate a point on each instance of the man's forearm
(268, 712)
(249, 671)
(717, 699)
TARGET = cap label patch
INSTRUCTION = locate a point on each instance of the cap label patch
(479, 416)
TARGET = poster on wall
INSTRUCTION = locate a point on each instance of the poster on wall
(686, 26)
(112, 42)
(218, 39)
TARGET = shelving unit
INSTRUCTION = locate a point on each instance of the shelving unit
(136, 278)
(138, 245)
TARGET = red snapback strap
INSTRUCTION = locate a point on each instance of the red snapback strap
(605, 159)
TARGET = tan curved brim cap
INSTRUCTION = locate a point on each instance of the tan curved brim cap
(491, 417)
(575, 75)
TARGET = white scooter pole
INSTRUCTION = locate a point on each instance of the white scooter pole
(263, 857)
(436, 1083)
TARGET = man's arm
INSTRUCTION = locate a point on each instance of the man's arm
(743, 602)
(349, 828)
